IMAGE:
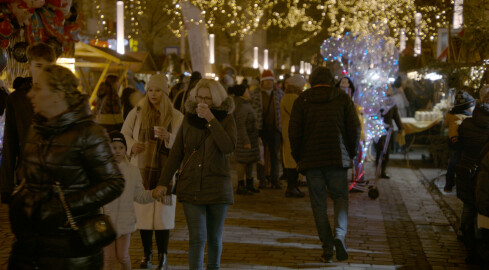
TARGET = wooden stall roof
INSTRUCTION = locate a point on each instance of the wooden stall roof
(146, 65)
(88, 56)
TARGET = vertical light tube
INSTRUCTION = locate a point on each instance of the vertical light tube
(255, 57)
(417, 40)
(292, 69)
(402, 40)
(308, 68)
(265, 59)
(301, 70)
(211, 48)
(120, 27)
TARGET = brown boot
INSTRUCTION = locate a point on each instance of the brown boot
(241, 190)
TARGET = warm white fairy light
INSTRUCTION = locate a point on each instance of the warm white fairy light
(240, 18)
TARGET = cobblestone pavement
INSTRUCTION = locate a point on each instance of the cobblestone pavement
(410, 226)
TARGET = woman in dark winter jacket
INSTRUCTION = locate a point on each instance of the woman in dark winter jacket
(63, 145)
(473, 134)
(247, 151)
(202, 145)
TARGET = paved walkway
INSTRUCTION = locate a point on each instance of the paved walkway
(410, 226)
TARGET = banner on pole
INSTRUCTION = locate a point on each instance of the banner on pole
(198, 38)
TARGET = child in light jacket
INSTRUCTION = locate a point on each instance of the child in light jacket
(121, 210)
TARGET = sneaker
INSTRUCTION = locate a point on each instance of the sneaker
(327, 258)
(341, 253)
(146, 262)
(385, 176)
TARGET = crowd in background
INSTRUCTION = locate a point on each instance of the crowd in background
(169, 143)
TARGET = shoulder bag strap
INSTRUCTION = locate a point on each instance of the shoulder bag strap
(57, 186)
(193, 152)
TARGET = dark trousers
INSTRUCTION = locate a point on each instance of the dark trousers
(292, 176)
(450, 176)
(468, 219)
(162, 239)
(379, 147)
(271, 142)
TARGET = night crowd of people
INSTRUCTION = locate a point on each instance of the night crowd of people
(134, 153)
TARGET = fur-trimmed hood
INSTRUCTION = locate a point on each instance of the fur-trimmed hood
(227, 105)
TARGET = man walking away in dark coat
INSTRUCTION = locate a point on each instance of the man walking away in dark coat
(324, 132)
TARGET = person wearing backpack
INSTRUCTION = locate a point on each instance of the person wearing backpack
(473, 134)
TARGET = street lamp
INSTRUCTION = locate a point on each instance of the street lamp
(255, 57)
(120, 27)
(211, 48)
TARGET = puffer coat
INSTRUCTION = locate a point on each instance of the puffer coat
(473, 134)
(74, 151)
(247, 129)
(206, 179)
(324, 129)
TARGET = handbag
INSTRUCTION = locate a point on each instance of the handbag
(95, 231)
(180, 171)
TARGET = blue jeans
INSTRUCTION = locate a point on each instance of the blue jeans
(205, 221)
(318, 182)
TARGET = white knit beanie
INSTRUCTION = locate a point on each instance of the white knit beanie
(297, 81)
(158, 81)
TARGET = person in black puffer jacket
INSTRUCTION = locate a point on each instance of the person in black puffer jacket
(473, 134)
(63, 145)
(324, 134)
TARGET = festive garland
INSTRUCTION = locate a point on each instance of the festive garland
(55, 22)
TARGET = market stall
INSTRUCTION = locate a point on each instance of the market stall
(97, 62)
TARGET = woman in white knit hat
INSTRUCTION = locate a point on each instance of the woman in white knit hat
(150, 130)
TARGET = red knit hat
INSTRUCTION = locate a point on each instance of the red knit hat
(267, 75)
